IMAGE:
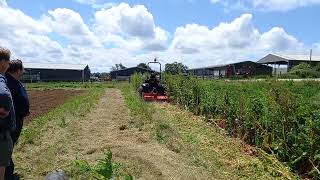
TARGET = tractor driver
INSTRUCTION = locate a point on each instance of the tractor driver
(153, 81)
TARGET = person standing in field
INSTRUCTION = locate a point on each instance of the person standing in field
(7, 114)
(20, 102)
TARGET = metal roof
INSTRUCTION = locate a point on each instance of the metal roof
(273, 58)
(208, 67)
(54, 66)
(221, 65)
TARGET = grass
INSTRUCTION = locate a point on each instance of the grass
(46, 137)
(68, 85)
(46, 142)
(202, 143)
(146, 120)
(104, 168)
(221, 155)
(76, 106)
(137, 107)
(163, 132)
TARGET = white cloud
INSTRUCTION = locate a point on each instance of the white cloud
(35, 39)
(230, 42)
(278, 39)
(132, 24)
(71, 25)
(16, 20)
(96, 4)
(215, 1)
(26, 37)
(159, 42)
(131, 21)
(283, 5)
(90, 2)
(129, 35)
(265, 5)
(194, 38)
(103, 5)
(3, 3)
(34, 46)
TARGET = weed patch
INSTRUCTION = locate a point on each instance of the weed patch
(103, 169)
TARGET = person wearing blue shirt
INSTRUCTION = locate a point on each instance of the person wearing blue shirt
(20, 103)
(7, 114)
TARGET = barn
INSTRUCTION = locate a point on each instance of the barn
(244, 68)
(284, 63)
(125, 74)
(47, 72)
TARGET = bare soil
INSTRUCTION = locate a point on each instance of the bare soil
(42, 101)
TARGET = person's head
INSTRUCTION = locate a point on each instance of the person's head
(152, 76)
(16, 69)
(4, 59)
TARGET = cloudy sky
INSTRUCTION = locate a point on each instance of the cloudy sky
(196, 32)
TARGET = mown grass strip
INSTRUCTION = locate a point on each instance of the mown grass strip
(202, 143)
(222, 155)
(47, 143)
(77, 106)
(138, 108)
(47, 137)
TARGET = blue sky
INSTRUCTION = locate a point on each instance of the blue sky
(170, 14)
(196, 32)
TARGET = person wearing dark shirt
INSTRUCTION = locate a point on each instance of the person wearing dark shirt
(153, 81)
(20, 103)
(7, 114)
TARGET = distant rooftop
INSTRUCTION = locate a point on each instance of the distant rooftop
(220, 65)
(272, 58)
(54, 66)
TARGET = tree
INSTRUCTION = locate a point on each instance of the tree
(144, 65)
(305, 70)
(175, 68)
(100, 75)
(117, 67)
(97, 74)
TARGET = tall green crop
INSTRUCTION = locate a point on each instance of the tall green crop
(282, 118)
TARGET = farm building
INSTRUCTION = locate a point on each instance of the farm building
(125, 74)
(245, 68)
(46, 72)
(283, 63)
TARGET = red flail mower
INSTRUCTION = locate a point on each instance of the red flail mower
(152, 89)
(154, 97)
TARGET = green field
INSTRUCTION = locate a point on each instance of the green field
(67, 85)
(76, 136)
(282, 118)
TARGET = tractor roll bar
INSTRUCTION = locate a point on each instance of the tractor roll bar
(156, 62)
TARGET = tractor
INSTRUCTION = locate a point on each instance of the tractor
(152, 89)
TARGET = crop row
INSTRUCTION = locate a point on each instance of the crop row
(282, 118)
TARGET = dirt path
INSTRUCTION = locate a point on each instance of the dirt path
(136, 149)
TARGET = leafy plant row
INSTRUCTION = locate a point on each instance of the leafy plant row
(282, 118)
